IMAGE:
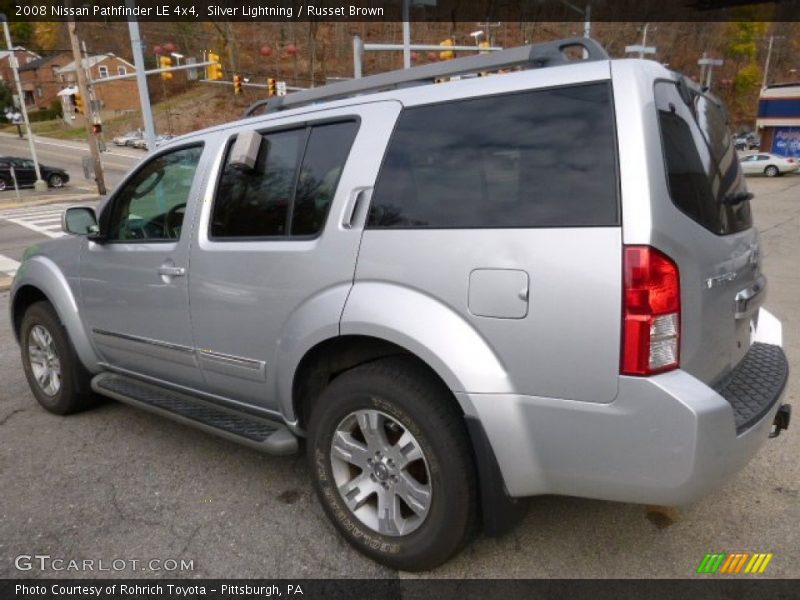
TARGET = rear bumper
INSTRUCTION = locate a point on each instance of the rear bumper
(667, 439)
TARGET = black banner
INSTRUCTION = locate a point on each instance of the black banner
(392, 10)
(396, 589)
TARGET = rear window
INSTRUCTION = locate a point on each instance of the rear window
(544, 158)
(701, 163)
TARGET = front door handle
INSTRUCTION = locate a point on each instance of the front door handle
(171, 271)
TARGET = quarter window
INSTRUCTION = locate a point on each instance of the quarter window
(544, 158)
(151, 205)
(701, 163)
(289, 190)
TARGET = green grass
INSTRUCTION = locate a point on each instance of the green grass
(54, 129)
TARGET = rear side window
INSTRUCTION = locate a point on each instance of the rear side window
(701, 163)
(291, 187)
(543, 158)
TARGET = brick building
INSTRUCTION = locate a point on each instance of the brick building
(40, 80)
(23, 58)
(115, 96)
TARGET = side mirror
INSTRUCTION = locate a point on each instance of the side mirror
(80, 220)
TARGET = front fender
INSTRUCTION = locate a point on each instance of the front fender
(43, 274)
(431, 330)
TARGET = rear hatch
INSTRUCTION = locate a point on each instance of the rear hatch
(712, 239)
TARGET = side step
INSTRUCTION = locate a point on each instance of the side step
(259, 433)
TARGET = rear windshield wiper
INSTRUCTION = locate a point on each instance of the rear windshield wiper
(735, 198)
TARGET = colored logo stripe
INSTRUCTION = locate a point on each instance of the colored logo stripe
(734, 562)
(758, 563)
(711, 563)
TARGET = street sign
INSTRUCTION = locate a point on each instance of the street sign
(281, 88)
(191, 74)
(641, 49)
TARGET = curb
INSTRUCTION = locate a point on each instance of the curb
(49, 200)
(5, 283)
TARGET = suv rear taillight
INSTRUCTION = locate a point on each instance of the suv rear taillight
(651, 312)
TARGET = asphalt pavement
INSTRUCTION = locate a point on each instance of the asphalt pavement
(118, 483)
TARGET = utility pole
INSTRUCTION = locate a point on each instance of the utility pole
(84, 91)
(772, 38)
(141, 79)
(406, 34)
(40, 185)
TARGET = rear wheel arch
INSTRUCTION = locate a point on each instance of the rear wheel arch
(332, 357)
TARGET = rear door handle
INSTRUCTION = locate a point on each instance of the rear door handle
(359, 199)
(171, 271)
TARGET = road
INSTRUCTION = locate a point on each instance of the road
(120, 483)
(37, 221)
(69, 155)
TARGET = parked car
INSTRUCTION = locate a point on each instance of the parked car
(747, 141)
(160, 139)
(128, 139)
(390, 270)
(770, 165)
(25, 173)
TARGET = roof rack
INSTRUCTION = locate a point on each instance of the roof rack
(547, 54)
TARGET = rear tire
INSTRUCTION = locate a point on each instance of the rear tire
(772, 171)
(56, 377)
(402, 406)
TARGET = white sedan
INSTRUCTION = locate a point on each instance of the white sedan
(770, 165)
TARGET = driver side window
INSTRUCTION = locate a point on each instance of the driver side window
(152, 204)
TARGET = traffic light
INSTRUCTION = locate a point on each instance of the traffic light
(165, 62)
(78, 104)
(272, 87)
(446, 54)
(214, 71)
(237, 84)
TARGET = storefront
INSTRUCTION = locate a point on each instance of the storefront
(778, 120)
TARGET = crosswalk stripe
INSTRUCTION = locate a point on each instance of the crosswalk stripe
(36, 228)
(47, 220)
(8, 265)
(44, 219)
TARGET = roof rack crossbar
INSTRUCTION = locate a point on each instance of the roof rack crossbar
(532, 56)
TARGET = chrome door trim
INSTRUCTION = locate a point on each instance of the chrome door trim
(143, 340)
(234, 366)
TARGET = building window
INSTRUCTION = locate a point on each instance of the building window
(39, 91)
(122, 71)
(103, 70)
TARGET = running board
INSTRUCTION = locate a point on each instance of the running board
(259, 433)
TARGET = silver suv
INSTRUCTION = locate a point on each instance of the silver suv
(545, 281)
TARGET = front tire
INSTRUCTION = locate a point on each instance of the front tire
(771, 171)
(55, 181)
(56, 377)
(391, 464)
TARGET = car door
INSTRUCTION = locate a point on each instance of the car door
(134, 281)
(749, 165)
(276, 249)
(24, 171)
